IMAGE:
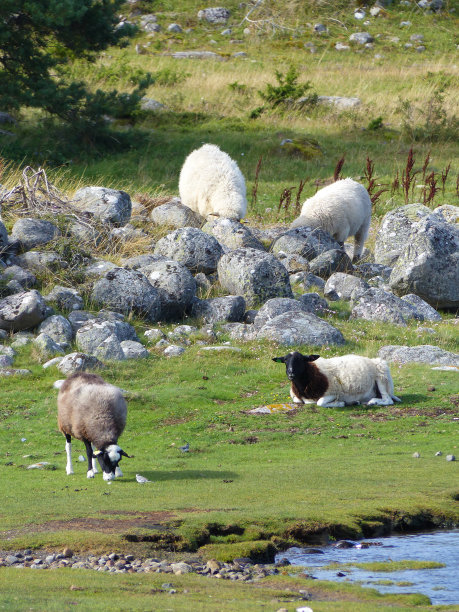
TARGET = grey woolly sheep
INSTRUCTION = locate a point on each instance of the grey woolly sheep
(93, 411)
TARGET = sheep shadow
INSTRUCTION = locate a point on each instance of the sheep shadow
(162, 476)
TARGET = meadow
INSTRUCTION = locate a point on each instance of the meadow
(251, 483)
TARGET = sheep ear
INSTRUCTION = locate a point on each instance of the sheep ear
(125, 454)
(312, 357)
(279, 359)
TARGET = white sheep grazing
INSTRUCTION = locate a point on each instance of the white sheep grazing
(342, 209)
(93, 411)
(338, 381)
(211, 184)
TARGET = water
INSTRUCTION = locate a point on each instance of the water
(440, 584)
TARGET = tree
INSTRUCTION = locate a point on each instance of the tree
(37, 37)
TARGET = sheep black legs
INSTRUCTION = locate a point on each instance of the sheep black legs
(92, 468)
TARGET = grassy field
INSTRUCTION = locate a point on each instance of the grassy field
(250, 481)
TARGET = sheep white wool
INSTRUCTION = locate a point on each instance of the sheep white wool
(352, 379)
(342, 209)
(211, 184)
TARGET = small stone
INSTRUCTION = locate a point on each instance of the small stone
(438, 454)
(416, 455)
(67, 552)
(450, 458)
(430, 388)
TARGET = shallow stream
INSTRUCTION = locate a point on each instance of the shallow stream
(440, 584)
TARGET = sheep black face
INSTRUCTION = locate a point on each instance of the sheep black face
(109, 460)
(308, 383)
(296, 364)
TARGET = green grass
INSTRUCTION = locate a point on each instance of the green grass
(270, 477)
(66, 589)
(249, 481)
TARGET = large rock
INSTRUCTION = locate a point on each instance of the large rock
(64, 298)
(232, 234)
(325, 264)
(429, 264)
(214, 15)
(59, 329)
(106, 205)
(47, 346)
(40, 261)
(230, 308)
(395, 231)
(78, 362)
(31, 233)
(127, 291)
(422, 307)
(379, 305)
(344, 285)
(255, 275)
(3, 237)
(175, 285)
(24, 277)
(305, 241)
(275, 307)
(175, 214)
(426, 353)
(103, 339)
(196, 250)
(297, 328)
(448, 213)
(22, 311)
(139, 262)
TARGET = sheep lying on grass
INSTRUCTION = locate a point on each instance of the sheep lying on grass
(93, 411)
(342, 209)
(339, 381)
(211, 184)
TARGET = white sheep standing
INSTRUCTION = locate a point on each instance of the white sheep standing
(338, 381)
(342, 209)
(211, 184)
(93, 411)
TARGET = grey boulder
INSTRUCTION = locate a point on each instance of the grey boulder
(127, 291)
(423, 308)
(254, 274)
(230, 308)
(22, 311)
(214, 15)
(305, 241)
(59, 329)
(133, 350)
(78, 362)
(47, 346)
(38, 261)
(429, 264)
(345, 286)
(31, 233)
(334, 260)
(395, 231)
(64, 298)
(379, 305)
(175, 285)
(196, 250)
(275, 307)
(175, 214)
(425, 353)
(296, 328)
(313, 302)
(232, 234)
(106, 205)
(24, 277)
